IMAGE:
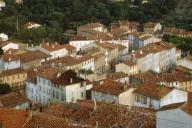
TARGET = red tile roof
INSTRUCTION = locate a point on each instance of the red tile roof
(70, 60)
(186, 107)
(189, 57)
(153, 90)
(129, 63)
(55, 46)
(46, 121)
(110, 87)
(150, 25)
(67, 78)
(116, 75)
(9, 57)
(11, 118)
(11, 100)
(12, 72)
(106, 114)
(32, 56)
(49, 73)
(152, 48)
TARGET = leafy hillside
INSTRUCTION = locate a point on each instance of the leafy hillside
(181, 16)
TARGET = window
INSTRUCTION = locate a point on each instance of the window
(57, 95)
(82, 84)
(39, 88)
(141, 99)
(137, 98)
(82, 94)
(54, 93)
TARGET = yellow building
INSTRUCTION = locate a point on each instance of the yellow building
(15, 77)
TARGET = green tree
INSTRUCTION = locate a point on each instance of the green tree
(4, 88)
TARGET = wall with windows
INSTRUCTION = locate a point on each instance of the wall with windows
(99, 96)
(143, 101)
(75, 92)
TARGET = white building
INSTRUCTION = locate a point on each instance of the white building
(156, 57)
(9, 45)
(127, 67)
(56, 87)
(73, 62)
(88, 28)
(112, 92)
(118, 77)
(144, 40)
(3, 37)
(81, 42)
(152, 27)
(9, 61)
(185, 62)
(31, 25)
(157, 96)
(175, 116)
(57, 50)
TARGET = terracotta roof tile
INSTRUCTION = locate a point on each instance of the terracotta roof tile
(12, 72)
(189, 57)
(31, 56)
(171, 106)
(150, 25)
(67, 78)
(110, 87)
(9, 57)
(12, 99)
(129, 63)
(153, 90)
(11, 118)
(116, 75)
(152, 48)
(106, 114)
(55, 46)
(46, 121)
(186, 107)
(70, 60)
(49, 73)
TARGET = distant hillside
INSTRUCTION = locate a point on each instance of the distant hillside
(182, 14)
(184, 9)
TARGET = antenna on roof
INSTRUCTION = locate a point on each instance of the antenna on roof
(97, 124)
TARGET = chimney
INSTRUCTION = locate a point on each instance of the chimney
(58, 74)
(100, 41)
(71, 80)
(9, 52)
(95, 104)
(97, 124)
(9, 58)
(53, 46)
(133, 57)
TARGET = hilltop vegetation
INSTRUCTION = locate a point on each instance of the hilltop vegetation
(58, 15)
(181, 16)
